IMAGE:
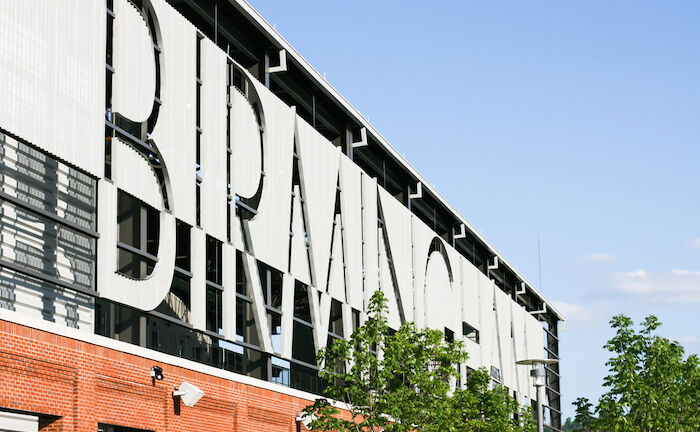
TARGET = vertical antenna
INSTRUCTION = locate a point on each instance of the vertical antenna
(539, 260)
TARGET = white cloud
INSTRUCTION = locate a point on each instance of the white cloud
(675, 286)
(681, 272)
(694, 243)
(639, 273)
(597, 258)
(573, 312)
(689, 339)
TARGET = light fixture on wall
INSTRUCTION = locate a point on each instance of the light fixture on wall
(538, 373)
(189, 394)
(157, 373)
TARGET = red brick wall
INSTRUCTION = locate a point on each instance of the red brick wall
(83, 384)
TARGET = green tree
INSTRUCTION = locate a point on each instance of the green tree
(570, 426)
(484, 409)
(650, 386)
(584, 415)
(401, 382)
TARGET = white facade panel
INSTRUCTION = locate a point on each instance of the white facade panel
(370, 253)
(319, 179)
(471, 293)
(317, 316)
(474, 351)
(535, 337)
(132, 174)
(456, 299)
(175, 131)
(351, 206)
(299, 266)
(336, 270)
(522, 373)
(213, 141)
(504, 335)
(397, 223)
(246, 160)
(53, 77)
(269, 229)
(386, 284)
(487, 324)
(535, 343)
(422, 238)
(324, 308)
(134, 78)
(438, 293)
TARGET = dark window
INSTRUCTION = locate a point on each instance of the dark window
(241, 281)
(127, 325)
(449, 335)
(257, 364)
(355, 320)
(302, 310)
(214, 260)
(336, 322)
(181, 290)
(496, 375)
(275, 323)
(198, 199)
(305, 378)
(137, 236)
(143, 328)
(272, 292)
(234, 361)
(276, 290)
(182, 245)
(246, 330)
(470, 332)
(228, 219)
(198, 143)
(271, 280)
(280, 371)
(470, 371)
(303, 343)
(177, 303)
(214, 277)
(214, 310)
(303, 347)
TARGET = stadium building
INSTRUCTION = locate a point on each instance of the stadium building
(189, 212)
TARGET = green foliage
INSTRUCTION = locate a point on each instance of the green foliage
(584, 415)
(570, 426)
(650, 386)
(402, 382)
(490, 410)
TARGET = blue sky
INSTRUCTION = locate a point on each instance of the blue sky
(577, 119)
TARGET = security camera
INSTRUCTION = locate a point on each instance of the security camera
(157, 373)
